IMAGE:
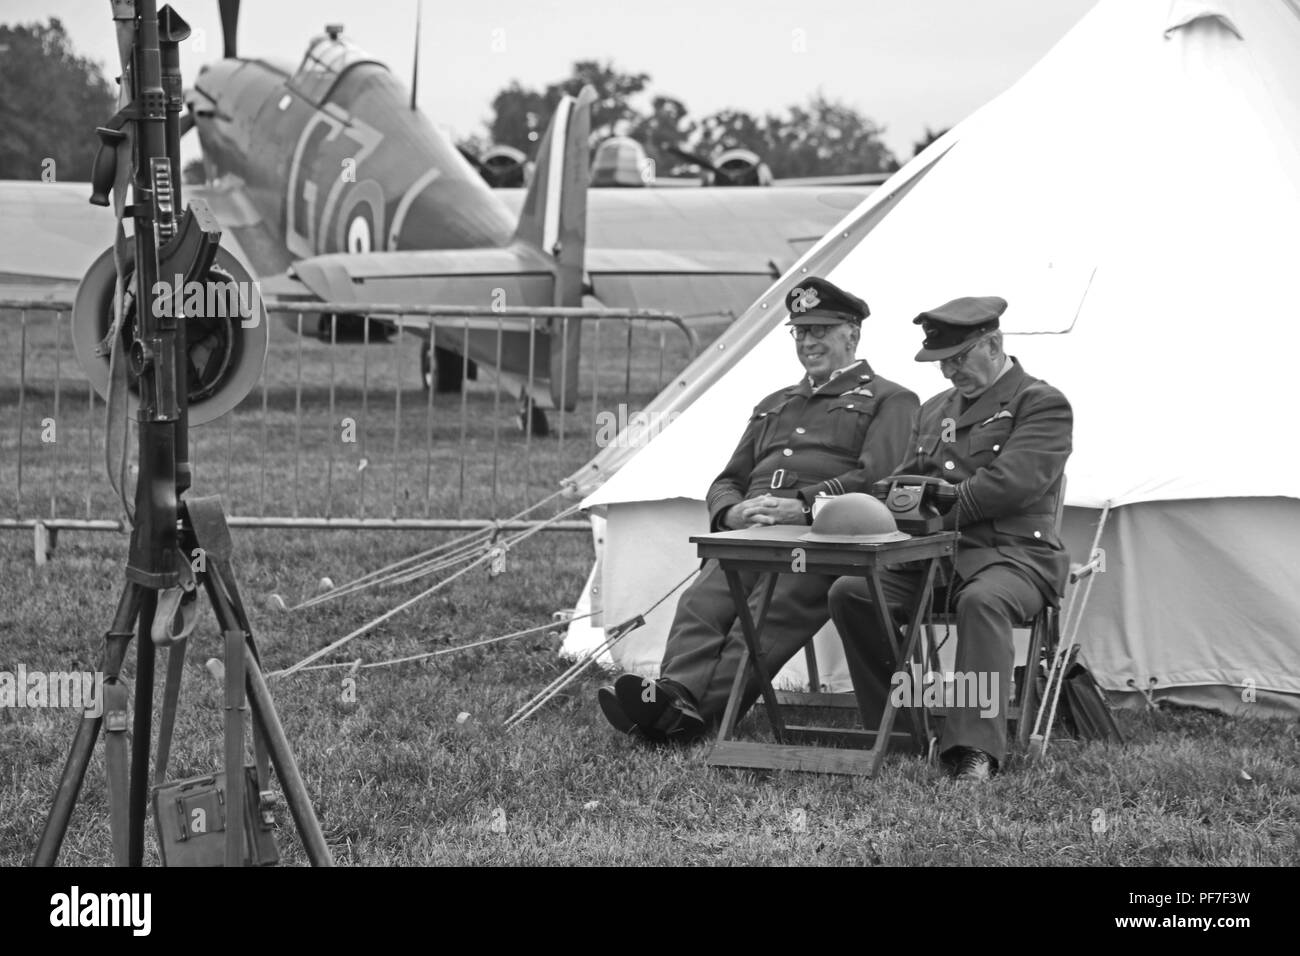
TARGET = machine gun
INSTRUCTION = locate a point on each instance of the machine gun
(132, 324)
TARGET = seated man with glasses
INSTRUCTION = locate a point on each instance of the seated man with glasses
(835, 431)
(1002, 437)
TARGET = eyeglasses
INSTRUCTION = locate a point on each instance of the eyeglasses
(959, 360)
(800, 332)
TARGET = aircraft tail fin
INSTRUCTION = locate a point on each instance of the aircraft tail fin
(554, 214)
(554, 220)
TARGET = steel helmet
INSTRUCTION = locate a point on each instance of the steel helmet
(854, 519)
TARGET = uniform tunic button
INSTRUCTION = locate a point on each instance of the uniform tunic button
(997, 447)
(1038, 534)
(948, 465)
(787, 453)
(920, 448)
(800, 430)
(849, 405)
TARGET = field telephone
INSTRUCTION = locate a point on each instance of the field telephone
(917, 502)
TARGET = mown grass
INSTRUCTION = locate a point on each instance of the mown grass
(396, 778)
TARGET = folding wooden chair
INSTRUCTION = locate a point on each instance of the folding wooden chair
(1029, 677)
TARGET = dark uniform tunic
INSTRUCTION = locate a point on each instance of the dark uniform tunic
(800, 442)
(1006, 454)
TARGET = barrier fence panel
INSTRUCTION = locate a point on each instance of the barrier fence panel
(341, 430)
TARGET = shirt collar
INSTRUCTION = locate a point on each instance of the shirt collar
(836, 374)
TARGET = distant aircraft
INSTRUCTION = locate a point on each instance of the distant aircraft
(622, 161)
(333, 187)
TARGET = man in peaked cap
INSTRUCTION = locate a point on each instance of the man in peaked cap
(1002, 437)
(837, 430)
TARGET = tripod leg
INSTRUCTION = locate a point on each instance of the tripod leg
(142, 728)
(83, 745)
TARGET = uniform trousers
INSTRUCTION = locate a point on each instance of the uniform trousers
(706, 640)
(988, 605)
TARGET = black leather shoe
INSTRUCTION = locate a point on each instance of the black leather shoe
(660, 710)
(973, 765)
(613, 711)
(642, 700)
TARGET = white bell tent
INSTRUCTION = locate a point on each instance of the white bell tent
(1135, 198)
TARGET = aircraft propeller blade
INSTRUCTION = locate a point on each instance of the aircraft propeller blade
(415, 65)
(229, 27)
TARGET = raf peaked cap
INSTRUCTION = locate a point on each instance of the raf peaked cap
(815, 301)
(953, 325)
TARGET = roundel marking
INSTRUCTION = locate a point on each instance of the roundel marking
(359, 238)
(358, 223)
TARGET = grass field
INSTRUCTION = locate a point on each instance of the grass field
(397, 779)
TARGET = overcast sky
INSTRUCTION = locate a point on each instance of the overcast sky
(907, 64)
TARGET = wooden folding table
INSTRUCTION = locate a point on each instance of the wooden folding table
(778, 549)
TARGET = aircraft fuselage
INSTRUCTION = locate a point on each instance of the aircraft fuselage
(333, 161)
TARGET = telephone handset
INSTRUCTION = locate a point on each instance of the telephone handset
(918, 502)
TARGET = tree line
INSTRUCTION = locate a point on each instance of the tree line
(820, 137)
(51, 100)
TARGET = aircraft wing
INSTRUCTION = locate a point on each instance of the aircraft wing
(688, 283)
(52, 234)
(691, 283)
(770, 225)
(427, 277)
(703, 251)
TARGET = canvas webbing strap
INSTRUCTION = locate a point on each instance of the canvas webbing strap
(234, 755)
(207, 521)
(117, 765)
(171, 694)
(226, 580)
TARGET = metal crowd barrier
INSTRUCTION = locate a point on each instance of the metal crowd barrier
(335, 434)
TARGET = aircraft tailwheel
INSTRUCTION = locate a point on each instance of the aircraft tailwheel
(531, 418)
